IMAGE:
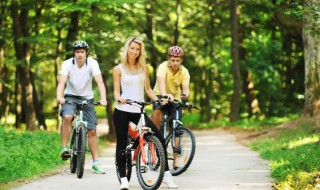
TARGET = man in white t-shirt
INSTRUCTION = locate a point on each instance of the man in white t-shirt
(77, 72)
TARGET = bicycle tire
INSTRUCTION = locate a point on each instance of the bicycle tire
(81, 151)
(73, 158)
(153, 179)
(187, 150)
(128, 167)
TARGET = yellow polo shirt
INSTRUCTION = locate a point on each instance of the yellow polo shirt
(173, 81)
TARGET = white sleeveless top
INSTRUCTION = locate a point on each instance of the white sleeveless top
(132, 87)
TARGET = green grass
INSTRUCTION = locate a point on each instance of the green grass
(254, 124)
(294, 155)
(27, 154)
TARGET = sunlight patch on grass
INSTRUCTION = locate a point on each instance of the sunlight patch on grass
(302, 141)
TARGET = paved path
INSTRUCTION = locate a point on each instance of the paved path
(220, 163)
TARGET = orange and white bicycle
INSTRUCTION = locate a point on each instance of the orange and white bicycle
(145, 151)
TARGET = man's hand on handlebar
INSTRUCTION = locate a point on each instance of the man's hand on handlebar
(61, 101)
(103, 102)
(184, 97)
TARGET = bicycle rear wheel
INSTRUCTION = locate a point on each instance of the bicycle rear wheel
(184, 151)
(150, 174)
(73, 158)
(81, 150)
(128, 167)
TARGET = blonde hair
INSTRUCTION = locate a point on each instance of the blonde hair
(141, 59)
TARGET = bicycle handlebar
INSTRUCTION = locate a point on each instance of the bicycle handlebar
(82, 103)
(130, 102)
(180, 103)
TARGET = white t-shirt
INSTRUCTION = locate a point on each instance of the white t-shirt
(79, 82)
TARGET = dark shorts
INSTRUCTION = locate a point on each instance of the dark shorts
(169, 108)
(89, 114)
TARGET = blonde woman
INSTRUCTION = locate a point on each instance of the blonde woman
(131, 80)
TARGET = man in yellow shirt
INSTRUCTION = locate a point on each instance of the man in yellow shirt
(173, 81)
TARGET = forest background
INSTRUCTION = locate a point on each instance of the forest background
(248, 60)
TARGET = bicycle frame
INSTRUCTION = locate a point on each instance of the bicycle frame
(79, 139)
(138, 136)
(175, 122)
(80, 121)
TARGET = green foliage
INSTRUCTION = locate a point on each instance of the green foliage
(294, 154)
(27, 154)
(306, 9)
(272, 57)
(191, 119)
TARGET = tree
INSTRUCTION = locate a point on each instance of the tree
(308, 11)
(20, 29)
(237, 84)
(311, 44)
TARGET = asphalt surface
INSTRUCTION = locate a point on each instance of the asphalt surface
(220, 163)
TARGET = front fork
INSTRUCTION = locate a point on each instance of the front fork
(176, 138)
(83, 123)
(151, 148)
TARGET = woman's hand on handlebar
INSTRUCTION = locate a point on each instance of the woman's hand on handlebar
(121, 101)
(166, 98)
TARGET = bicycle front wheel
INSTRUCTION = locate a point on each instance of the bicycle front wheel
(73, 158)
(150, 173)
(180, 151)
(81, 151)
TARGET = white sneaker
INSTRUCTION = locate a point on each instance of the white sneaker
(124, 183)
(167, 179)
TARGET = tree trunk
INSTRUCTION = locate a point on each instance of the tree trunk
(209, 85)
(202, 87)
(176, 29)
(20, 29)
(72, 31)
(37, 104)
(112, 133)
(150, 43)
(237, 84)
(37, 97)
(311, 43)
(17, 100)
(4, 90)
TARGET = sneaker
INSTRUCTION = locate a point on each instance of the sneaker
(167, 179)
(96, 167)
(65, 153)
(124, 183)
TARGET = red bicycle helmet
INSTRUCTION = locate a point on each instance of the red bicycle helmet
(175, 51)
